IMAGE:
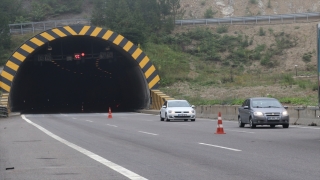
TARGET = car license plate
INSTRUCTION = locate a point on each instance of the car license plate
(182, 114)
(273, 118)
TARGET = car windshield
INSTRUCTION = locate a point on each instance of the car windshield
(178, 104)
(266, 103)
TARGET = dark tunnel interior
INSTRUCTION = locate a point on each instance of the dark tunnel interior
(78, 74)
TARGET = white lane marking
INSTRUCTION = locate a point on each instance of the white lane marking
(306, 127)
(129, 174)
(111, 125)
(220, 147)
(89, 121)
(240, 131)
(148, 133)
(74, 118)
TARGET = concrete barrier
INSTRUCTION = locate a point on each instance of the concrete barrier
(298, 115)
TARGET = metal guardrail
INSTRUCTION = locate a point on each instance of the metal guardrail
(33, 27)
(281, 18)
(23, 28)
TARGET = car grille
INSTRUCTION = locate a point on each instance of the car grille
(181, 111)
(272, 114)
(182, 117)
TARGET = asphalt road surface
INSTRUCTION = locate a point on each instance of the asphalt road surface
(140, 146)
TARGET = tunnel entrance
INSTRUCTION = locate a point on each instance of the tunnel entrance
(78, 69)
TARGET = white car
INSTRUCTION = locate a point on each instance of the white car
(177, 110)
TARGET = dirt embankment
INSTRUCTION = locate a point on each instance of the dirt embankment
(227, 8)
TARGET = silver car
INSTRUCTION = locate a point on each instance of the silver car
(263, 111)
(177, 110)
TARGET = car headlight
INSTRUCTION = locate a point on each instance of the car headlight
(285, 113)
(258, 113)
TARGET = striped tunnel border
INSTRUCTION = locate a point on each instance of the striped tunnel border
(158, 98)
(21, 54)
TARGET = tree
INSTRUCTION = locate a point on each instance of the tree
(136, 19)
(174, 6)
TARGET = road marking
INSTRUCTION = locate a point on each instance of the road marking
(111, 125)
(129, 174)
(240, 131)
(89, 121)
(220, 147)
(74, 118)
(148, 133)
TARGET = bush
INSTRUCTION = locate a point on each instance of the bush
(222, 29)
(253, 1)
(209, 13)
(288, 79)
(307, 57)
(262, 32)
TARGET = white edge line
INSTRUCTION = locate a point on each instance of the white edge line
(131, 175)
(111, 125)
(148, 133)
(220, 147)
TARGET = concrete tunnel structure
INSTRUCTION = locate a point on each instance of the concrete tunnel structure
(80, 69)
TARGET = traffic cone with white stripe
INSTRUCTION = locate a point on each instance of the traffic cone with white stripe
(110, 115)
(220, 126)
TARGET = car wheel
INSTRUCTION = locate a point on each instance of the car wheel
(251, 123)
(161, 119)
(166, 117)
(285, 126)
(272, 125)
(240, 122)
(193, 119)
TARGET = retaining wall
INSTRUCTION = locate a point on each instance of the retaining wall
(298, 115)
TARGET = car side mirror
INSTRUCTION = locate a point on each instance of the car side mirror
(286, 107)
(245, 107)
(192, 106)
(164, 106)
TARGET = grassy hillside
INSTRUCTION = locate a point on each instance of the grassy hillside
(191, 71)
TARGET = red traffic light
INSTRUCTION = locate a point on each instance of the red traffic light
(77, 56)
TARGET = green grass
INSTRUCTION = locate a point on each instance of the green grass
(172, 66)
(16, 42)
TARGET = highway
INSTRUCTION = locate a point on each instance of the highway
(140, 146)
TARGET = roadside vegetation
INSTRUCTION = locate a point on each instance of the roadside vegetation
(201, 58)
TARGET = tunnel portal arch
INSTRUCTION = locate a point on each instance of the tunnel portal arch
(123, 45)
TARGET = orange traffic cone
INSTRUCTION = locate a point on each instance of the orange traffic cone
(110, 115)
(220, 126)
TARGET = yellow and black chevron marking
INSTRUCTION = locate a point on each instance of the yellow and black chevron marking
(39, 40)
(158, 98)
